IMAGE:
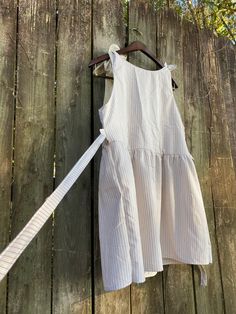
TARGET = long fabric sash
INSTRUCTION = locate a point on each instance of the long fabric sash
(11, 253)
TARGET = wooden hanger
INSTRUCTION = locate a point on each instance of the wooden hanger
(134, 46)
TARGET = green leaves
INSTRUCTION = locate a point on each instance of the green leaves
(216, 15)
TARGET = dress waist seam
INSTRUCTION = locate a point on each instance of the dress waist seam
(132, 149)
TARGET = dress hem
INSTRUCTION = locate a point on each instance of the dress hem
(128, 283)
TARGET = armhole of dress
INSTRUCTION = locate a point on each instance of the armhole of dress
(113, 60)
(101, 110)
(172, 67)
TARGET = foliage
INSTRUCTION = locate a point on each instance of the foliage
(216, 15)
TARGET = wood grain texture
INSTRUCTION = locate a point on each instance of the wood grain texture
(72, 229)
(30, 277)
(146, 297)
(7, 68)
(178, 285)
(223, 183)
(225, 54)
(108, 28)
(197, 117)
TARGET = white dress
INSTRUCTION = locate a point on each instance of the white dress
(150, 205)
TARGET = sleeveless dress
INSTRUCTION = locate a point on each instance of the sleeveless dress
(150, 206)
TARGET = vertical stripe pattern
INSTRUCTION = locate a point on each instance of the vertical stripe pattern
(13, 251)
(151, 210)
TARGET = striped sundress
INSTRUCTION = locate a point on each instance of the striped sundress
(150, 206)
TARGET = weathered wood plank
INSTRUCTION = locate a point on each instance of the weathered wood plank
(197, 117)
(7, 67)
(178, 284)
(72, 230)
(108, 28)
(225, 52)
(223, 182)
(146, 297)
(29, 279)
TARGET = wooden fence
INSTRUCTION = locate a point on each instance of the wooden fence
(48, 118)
